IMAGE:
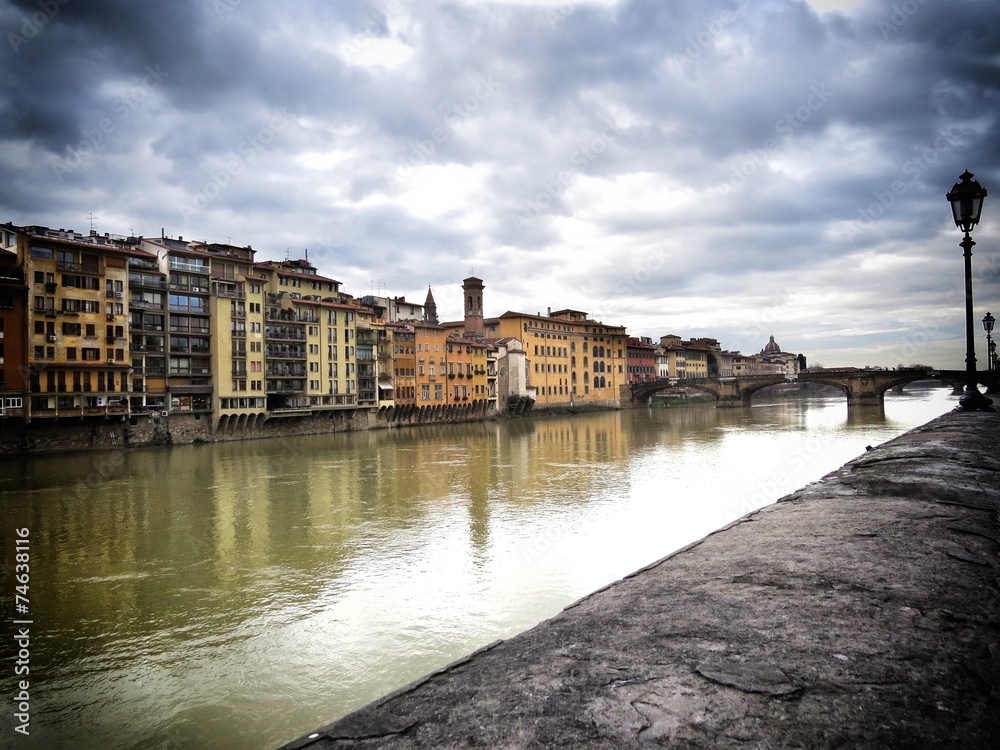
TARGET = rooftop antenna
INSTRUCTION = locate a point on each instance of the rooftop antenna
(91, 217)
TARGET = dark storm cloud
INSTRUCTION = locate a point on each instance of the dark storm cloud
(642, 152)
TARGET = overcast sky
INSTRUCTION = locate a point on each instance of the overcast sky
(724, 168)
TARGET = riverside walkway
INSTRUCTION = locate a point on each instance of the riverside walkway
(862, 611)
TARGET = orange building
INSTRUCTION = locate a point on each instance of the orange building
(429, 343)
(404, 363)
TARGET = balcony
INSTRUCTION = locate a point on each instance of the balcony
(281, 352)
(180, 265)
(142, 305)
(146, 282)
(284, 334)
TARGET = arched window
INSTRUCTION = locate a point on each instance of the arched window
(602, 381)
(597, 382)
(595, 350)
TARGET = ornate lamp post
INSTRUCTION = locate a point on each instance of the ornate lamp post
(966, 199)
(991, 353)
(988, 322)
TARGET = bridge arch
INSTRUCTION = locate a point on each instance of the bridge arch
(864, 387)
(728, 392)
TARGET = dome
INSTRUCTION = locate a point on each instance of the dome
(772, 347)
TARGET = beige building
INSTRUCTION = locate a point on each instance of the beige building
(310, 341)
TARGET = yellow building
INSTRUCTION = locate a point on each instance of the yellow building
(310, 341)
(571, 358)
(467, 371)
(78, 357)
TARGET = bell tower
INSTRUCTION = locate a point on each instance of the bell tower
(472, 291)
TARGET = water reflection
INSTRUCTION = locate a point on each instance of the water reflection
(236, 595)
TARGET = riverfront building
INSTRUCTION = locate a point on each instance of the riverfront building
(74, 326)
(101, 329)
(641, 365)
(571, 358)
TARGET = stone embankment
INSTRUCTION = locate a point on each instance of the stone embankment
(861, 611)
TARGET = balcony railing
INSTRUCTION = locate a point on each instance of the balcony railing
(180, 265)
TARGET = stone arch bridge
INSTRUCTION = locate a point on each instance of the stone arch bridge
(862, 387)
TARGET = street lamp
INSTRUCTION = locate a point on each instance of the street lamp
(966, 199)
(991, 353)
(988, 322)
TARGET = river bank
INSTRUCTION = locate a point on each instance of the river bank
(859, 611)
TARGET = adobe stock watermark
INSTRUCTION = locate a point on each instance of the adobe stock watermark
(376, 26)
(697, 44)
(554, 17)
(902, 12)
(642, 273)
(246, 153)
(33, 25)
(786, 126)
(223, 8)
(95, 136)
(555, 185)
(455, 114)
(913, 168)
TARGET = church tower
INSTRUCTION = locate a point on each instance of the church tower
(430, 308)
(472, 291)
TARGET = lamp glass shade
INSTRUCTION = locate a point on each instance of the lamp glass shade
(966, 199)
(988, 323)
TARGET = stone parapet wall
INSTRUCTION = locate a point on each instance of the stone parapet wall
(65, 436)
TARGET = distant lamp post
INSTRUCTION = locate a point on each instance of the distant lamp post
(991, 353)
(966, 199)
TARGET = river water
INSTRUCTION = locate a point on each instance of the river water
(239, 595)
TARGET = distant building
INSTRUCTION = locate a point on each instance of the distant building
(641, 360)
(430, 309)
(773, 361)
